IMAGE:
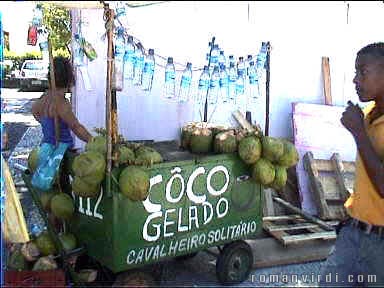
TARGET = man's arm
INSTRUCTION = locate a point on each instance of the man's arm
(68, 117)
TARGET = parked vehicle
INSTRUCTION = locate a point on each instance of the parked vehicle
(34, 74)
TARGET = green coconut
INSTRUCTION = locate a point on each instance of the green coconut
(84, 189)
(290, 155)
(273, 148)
(90, 164)
(225, 142)
(98, 144)
(33, 159)
(250, 149)
(280, 178)
(185, 135)
(263, 172)
(46, 197)
(201, 140)
(147, 156)
(134, 183)
(125, 155)
(17, 261)
(45, 263)
(68, 241)
(45, 244)
(62, 206)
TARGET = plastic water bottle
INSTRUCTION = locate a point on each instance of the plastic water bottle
(214, 86)
(78, 53)
(203, 86)
(170, 76)
(119, 59)
(214, 57)
(37, 19)
(120, 43)
(253, 81)
(149, 70)
(129, 59)
(222, 60)
(231, 59)
(185, 83)
(120, 13)
(241, 67)
(232, 78)
(240, 83)
(247, 63)
(139, 64)
(223, 83)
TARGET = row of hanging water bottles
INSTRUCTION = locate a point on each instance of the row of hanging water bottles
(132, 64)
(222, 84)
(230, 83)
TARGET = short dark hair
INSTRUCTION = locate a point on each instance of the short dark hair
(374, 49)
(64, 77)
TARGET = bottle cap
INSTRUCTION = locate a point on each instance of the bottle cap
(151, 51)
(230, 56)
(241, 58)
(130, 38)
(189, 64)
(249, 56)
(170, 60)
(221, 52)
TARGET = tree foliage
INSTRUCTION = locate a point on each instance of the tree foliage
(58, 22)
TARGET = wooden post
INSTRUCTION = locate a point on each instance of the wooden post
(326, 80)
(53, 90)
(108, 95)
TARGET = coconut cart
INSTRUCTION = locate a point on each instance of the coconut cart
(194, 202)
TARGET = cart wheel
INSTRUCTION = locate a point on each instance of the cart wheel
(234, 263)
(186, 256)
(134, 279)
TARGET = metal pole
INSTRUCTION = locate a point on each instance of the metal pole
(206, 96)
(53, 89)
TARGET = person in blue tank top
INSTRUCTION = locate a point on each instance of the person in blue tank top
(53, 103)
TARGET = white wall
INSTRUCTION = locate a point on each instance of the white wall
(300, 34)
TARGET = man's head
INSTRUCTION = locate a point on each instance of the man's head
(64, 77)
(369, 77)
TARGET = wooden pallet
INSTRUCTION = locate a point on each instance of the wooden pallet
(293, 229)
(331, 182)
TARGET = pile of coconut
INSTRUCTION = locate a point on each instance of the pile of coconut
(268, 158)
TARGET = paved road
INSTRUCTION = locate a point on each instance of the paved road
(16, 114)
(196, 272)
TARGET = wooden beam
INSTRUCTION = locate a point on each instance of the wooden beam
(326, 80)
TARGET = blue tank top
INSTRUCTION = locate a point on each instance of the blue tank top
(48, 127)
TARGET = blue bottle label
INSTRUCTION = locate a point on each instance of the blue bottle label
(252, 79)
(169, 76)
(148, 67)
(224, 82)
(185, 81)
(214, 84)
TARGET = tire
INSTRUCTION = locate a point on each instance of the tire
(234, 263)
(186, 256)
(134, 278)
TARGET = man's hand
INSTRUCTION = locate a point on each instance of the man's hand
(353, 119)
